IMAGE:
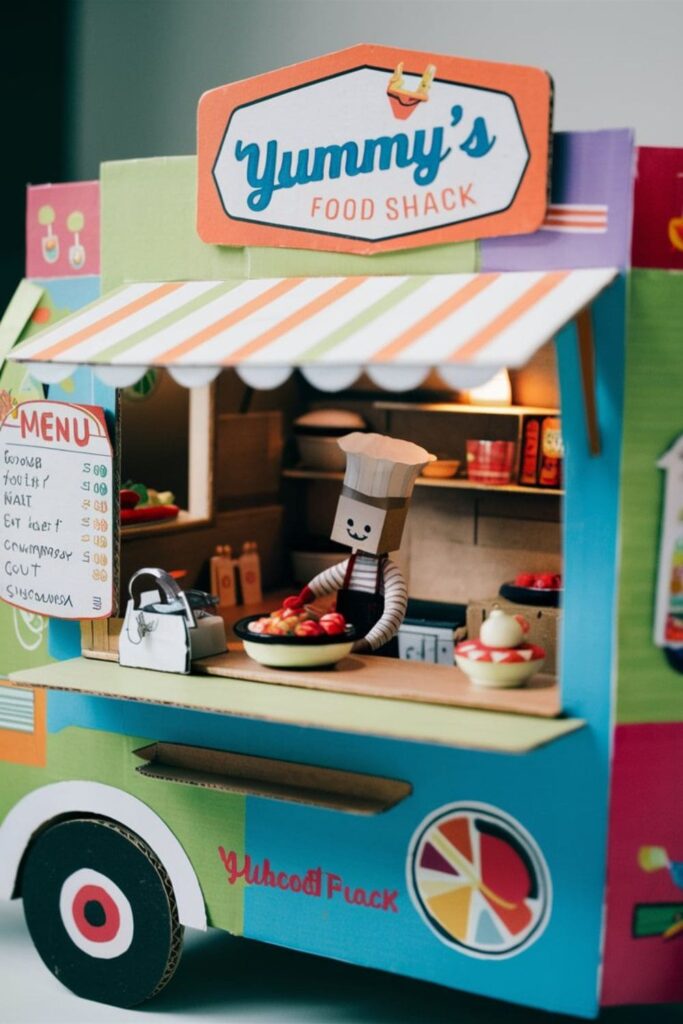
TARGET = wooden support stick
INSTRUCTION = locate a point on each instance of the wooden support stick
(584, 328)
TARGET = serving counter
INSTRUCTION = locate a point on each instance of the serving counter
(234, 685)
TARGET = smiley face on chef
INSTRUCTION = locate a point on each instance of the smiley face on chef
(371, 513)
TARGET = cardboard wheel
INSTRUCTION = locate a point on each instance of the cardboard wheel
(101, 911)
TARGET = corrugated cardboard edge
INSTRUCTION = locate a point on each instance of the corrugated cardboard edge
(246, 774)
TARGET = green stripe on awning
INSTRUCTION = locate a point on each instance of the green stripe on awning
(363, 318)
(172, 318)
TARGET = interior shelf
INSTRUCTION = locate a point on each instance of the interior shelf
(459, 407)
(183, 521)
(459, 483)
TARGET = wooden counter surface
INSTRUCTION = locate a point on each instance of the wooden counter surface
(239, 694)
(395, 679)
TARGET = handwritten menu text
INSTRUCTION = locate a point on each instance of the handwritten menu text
(56, 502)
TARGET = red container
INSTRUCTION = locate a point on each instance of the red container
(490, 462)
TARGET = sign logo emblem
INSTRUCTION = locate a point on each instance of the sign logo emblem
(479, 881)
(374, 149)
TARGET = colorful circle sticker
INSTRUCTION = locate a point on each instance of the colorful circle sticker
(479, 880)
(96, 915)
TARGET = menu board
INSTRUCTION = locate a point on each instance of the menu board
(56, 510)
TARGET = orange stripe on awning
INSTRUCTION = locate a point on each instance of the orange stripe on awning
(230, 319)
(110, 320)
(348, 284)
(443, 310)
(514, 311)
(577, 222)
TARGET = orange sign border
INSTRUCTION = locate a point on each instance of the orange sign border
(530, 88)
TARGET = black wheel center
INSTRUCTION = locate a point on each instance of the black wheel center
(94, 913)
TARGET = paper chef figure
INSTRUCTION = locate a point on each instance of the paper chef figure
(378, 484)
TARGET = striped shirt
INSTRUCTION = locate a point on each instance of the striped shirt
(364, 577)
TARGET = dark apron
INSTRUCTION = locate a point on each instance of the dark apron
(364, 610)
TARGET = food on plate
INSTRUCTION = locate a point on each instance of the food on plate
(140, 504)
(294, 620)
(128, 498)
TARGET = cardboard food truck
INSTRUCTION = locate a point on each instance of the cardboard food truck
(391, 243)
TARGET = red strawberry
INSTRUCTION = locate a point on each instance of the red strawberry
(544, 581)
(333, 623)
(524, 579)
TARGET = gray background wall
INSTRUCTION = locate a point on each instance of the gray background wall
(138, 67)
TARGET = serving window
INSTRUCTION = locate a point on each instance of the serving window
(464, 539)
(166, 455)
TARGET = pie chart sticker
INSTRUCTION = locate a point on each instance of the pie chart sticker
(479, 880)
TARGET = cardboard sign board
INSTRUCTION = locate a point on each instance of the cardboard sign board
(658, 209)
(644, 926)
(56, 458)
(669, 597)
(588, 220)
(374, 149)
(63, 230)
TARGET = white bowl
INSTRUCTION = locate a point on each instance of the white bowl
(294, 651)
(286, 656)
(497, 675)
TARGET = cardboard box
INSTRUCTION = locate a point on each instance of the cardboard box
(248, 456)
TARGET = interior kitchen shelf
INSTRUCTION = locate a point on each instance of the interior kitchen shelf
(459, 483)
(183, 521)
(472, 410)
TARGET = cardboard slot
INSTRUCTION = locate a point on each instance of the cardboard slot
(280, 780)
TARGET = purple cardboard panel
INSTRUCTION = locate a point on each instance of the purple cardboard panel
(588, 223)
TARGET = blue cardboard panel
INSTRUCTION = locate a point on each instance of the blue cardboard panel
(591, 510)
(549, 795)
(68, 294)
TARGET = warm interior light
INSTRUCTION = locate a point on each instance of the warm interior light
(496, 391)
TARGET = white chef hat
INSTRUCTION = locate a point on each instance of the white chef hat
(380, 466)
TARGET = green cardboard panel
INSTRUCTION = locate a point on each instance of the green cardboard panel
(103, 757)
(148, 226)
(23, 640)
(460, 258)
(149, 234)
(23, 635)
(76, 753)
(17, 315)
(649, 689)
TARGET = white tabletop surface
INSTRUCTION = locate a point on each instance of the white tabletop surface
(234, 980)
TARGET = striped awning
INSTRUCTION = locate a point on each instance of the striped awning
(398, 329)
